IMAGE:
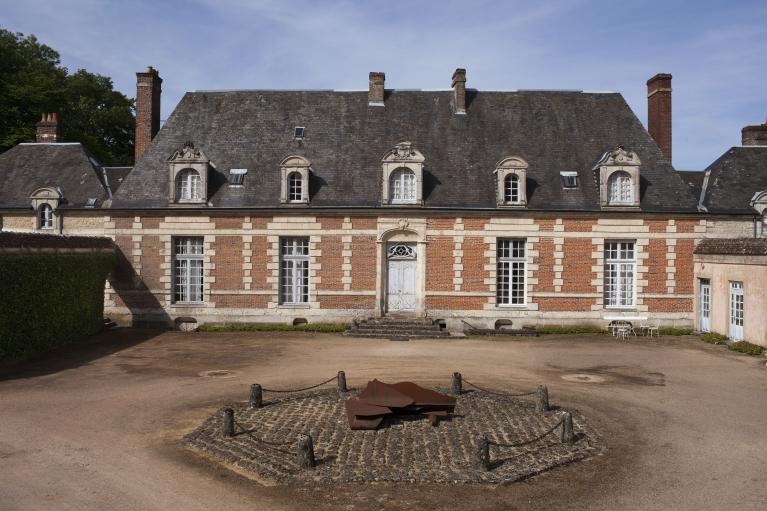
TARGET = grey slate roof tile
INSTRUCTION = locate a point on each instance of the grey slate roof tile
(27, 167)
(737, 246)
(734, 178)
(346, 139)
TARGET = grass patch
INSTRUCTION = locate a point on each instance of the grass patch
(272, 327)
(571, 329)
(746, 347)
(675, 331)
(714, 338)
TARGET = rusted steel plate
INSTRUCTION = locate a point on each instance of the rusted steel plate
(422, 396)
(383, 394)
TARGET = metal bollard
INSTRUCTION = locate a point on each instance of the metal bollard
(542, 402)
(256, 396)
(227, 425)
(342, 382)
(482, 453)
(305, 454)
(568, 436)
(456, 384)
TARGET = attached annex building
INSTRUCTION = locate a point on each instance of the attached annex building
(534, 206)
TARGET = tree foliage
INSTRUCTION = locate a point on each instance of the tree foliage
(32, 82)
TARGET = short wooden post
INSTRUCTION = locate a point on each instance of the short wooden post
(305, 454)
(256, 396)
(342, 382)
(456, 384)
(482, 453)
(227, 426)
(568, 436)
(542, 403)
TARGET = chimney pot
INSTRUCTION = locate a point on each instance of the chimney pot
(459, 91)
(376, 89)
(148, 90)
(49, 129)
(659, 111)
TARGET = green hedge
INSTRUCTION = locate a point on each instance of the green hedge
(746, 347)
(714, 338)
(49, 300)
(569, 329)
(675, 331)
(271, 327)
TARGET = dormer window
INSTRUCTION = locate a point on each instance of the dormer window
(511, 176)
(298, 132)
(402, 186)
(619, 188)
(294, 178)
(569, 179)
(188, 168)
(188, 186)
(45, 217)
(511, 189)
(619, 178)
(403, 175)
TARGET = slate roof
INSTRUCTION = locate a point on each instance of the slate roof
(115, 176)
(734, 179)
(346, 139)
(67, 166)
(694, 180)
(737, 246)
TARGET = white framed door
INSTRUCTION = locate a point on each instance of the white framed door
(400, 277)
(736, 311)
(705, 305)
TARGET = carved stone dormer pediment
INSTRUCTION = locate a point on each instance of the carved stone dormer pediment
(188, 153)
(403, 152)
(619, 157)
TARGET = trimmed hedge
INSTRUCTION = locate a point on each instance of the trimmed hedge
(272, 327)
(49, 300)
(675, 331)
(572, 329)
(714, 338)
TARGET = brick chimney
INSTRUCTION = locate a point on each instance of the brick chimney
(459, 91)
(376, 89)
(49, 129)
(659, 111)
(148, 89)
(755, 135)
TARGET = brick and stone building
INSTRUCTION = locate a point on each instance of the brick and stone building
(530, 206)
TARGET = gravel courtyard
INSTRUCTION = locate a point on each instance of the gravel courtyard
(101, 427)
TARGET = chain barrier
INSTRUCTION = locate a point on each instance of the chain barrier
(498, 393)
(300, 390)
(528, 442)
(275, 445)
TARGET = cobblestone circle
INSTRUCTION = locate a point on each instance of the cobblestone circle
(403, 449)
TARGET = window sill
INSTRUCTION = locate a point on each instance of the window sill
(619, 308)
(294, 306)
(520, 306)
(189, 305)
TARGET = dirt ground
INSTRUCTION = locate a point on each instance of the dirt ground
(100, 427)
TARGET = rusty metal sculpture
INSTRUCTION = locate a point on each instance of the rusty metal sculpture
(378, 400)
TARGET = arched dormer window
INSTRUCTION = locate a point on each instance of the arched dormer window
(619, 188)
(402, 187)
(294, 178)
(402, 175)
(511, 189)
(188, 176)
(188, 186)
(619, 178)
(45, 217)
(295, 187)
(511, 177)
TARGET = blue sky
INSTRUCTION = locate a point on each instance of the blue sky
(717, 51)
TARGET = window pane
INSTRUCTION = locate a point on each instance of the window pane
(619, 271)
(510, 272)
(188, 269)
(295, 187)
(402, 187)
(294, 270)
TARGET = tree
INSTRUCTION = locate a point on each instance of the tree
(32, 81)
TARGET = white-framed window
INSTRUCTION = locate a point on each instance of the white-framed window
(188, 254)
(511, 189)
(620, 188)
(188, 186)
(237, 176)
(45, 217)
(764, 223)
(620, 268)
(510, 274)
(569, 179)
(295, 187)
(294, 270)
(402, 186)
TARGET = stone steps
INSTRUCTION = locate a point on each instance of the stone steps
(396, 328)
